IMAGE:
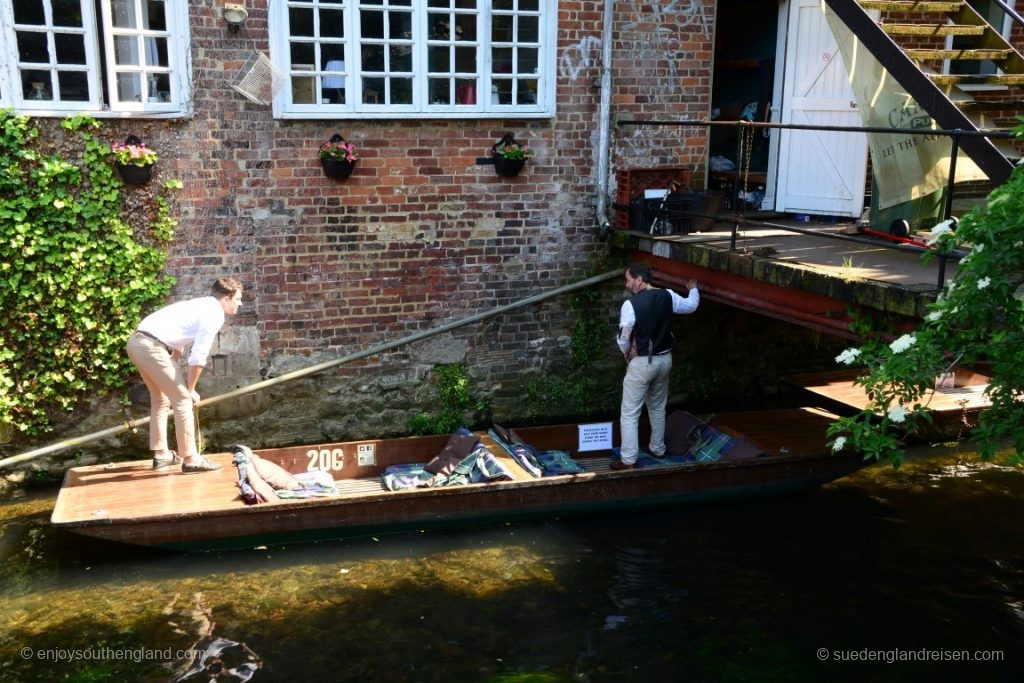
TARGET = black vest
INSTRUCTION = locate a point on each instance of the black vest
(653, 311)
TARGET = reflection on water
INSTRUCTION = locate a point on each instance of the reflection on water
(925, 558)
(208, 656)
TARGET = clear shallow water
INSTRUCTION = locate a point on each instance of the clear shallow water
(880, 564)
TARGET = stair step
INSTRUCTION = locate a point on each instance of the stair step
(1008, 149)
(933, 30)
(974, 79)
(994, 55)
(905, 6)
(982, 106)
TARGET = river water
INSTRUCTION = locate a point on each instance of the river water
(884, 575)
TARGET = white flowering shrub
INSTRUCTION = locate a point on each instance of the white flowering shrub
(977, 319)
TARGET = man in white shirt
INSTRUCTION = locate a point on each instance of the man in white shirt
(155, 346)
(645, 339)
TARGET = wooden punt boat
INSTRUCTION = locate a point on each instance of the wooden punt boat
(954, 407)
(132, 503)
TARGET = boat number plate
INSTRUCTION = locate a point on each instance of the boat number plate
(366, 455)
(325, 459)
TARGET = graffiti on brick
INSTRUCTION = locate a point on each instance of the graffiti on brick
(658, 28)
(580, 57)
(680, 12)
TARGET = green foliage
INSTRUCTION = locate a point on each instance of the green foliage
(456, 403)
(978, 318)
(576, 390)
(73, 279)
(43, 478)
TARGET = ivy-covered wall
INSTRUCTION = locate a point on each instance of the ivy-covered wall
(77, 269)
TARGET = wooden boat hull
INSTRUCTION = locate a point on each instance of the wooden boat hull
(175, 516)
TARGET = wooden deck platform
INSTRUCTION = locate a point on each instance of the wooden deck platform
(968, 392)
(813, 278)
(846, 260)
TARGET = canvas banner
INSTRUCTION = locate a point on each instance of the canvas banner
(905, 167)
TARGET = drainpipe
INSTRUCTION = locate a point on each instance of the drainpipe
(604, 114)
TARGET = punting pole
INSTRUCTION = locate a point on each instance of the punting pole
(313, 369)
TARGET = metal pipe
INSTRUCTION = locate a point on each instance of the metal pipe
(304, 372)
(604, 117)
(964, 133)
(1009, 10)
(951, 182)
(949, 206)
(739, 170)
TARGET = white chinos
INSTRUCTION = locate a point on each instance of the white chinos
(167, 390)
(646, 381)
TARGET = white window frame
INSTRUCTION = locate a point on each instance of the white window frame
(284, 107)
(178, 69)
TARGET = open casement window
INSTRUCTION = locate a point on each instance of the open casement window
(94, 56)
(414, 58)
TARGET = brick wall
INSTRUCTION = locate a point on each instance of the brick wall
(420, 234)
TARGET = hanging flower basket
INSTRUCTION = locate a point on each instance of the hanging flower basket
(508, 167)
(338, 157)
(135, 175)
(509, 156)
(337, 169)
(133, 160)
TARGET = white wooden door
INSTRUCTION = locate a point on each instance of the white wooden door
(819, 172)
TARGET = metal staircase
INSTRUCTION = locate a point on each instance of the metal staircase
(910, 43)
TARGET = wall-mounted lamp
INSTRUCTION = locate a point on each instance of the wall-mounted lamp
(235, 15)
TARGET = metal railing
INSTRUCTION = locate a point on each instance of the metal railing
(1009, 12)
(739, 217)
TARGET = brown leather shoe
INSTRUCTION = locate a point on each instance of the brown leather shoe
(619, 465)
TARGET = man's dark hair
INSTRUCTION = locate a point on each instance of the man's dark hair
(225, 286)
(640, 270)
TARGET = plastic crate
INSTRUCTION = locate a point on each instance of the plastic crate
(631, 183)
(668, 216)
(674, 215)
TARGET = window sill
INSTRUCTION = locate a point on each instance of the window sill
(392, 115)
(101, 114)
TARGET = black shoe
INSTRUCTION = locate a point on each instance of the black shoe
(619, 465)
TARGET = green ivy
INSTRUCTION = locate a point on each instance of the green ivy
(74, 281)
(456, 403)
(577, 389)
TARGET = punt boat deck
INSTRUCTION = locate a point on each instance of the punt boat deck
(132, 503)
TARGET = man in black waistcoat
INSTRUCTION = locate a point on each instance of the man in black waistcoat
(645, 339)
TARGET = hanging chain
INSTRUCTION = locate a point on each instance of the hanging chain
(748, 145)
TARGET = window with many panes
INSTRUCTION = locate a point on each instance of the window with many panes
(414, 58)
(64, 56)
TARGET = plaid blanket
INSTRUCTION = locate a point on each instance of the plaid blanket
(538, 463)
(478, 466)
(398, 477)
(315, 484)
(705, 444)
(645, 459)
